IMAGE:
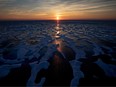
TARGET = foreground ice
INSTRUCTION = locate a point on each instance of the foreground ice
(85, 44)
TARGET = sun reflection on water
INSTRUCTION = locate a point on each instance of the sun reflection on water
(58, 33)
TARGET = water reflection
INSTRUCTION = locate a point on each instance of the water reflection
(58, 30)
(58, 33)
(62, 47)
(59, 72)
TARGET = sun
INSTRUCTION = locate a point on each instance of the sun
(57, 17)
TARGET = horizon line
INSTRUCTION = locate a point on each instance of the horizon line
(59, 20)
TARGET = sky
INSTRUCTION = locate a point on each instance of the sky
(57, 9)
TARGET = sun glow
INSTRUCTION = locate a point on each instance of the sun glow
(57, 17)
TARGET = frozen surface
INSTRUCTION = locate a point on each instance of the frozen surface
(80, 42)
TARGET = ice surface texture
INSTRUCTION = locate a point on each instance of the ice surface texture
(28, 48)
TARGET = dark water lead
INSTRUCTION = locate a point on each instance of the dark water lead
(17, 76)
(94, 75)
(59, 73)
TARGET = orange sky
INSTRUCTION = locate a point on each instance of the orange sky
(51, 9)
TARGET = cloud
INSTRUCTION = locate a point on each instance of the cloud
(50, 7)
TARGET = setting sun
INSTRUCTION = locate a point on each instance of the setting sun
(57, 17)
